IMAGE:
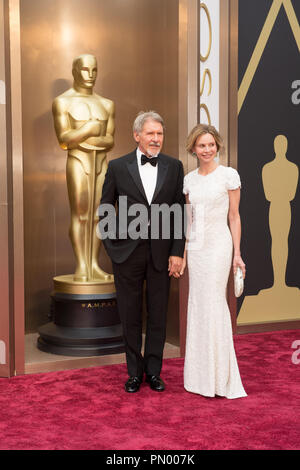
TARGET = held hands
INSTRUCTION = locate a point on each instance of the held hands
(239, 263)
(176, 266)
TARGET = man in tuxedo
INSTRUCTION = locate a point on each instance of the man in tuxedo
(145, 250)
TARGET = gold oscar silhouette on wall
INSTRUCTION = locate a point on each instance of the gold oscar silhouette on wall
(84, 125)
(280, 302)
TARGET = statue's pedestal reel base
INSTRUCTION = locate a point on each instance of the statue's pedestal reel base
(85, 320)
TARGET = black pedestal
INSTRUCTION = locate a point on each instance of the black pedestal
(83, 325)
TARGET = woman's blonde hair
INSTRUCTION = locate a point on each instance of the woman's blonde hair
(202, 129)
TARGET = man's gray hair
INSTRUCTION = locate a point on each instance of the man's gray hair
(142, 117)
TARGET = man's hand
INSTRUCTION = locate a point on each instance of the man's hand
(175, 266)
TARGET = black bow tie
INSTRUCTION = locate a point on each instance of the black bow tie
(152, 161)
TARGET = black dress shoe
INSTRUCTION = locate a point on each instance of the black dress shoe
(133, 384)
(156, 383)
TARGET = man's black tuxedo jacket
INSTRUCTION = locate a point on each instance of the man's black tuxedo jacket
(123, 179)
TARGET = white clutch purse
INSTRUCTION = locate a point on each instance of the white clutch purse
(238, 282)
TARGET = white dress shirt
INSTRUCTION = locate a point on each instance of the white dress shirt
(148, 174)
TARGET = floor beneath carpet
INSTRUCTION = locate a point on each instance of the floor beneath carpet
(40, 361)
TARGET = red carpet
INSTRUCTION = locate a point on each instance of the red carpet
(88, 409)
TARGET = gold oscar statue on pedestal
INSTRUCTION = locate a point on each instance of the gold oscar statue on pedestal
(280, 302)
(85, 320)
(84, 124)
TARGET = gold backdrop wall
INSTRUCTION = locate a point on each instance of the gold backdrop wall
(136, 44)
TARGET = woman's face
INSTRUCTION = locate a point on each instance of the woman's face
(205, 148)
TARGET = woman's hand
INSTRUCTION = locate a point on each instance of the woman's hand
(183, 265)
(239, 263)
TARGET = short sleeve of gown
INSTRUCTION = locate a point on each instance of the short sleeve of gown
(185, 185)
(233, 179)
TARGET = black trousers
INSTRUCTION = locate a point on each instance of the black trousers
(129, 281)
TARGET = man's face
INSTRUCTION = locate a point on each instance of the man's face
(150, 139)
(85, 72)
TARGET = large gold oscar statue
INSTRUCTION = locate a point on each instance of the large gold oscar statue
(84, 125)
(280, 302)
(85, 320)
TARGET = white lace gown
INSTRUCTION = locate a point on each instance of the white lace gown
(210, 366)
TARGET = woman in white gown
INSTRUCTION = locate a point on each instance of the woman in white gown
(213, 194)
